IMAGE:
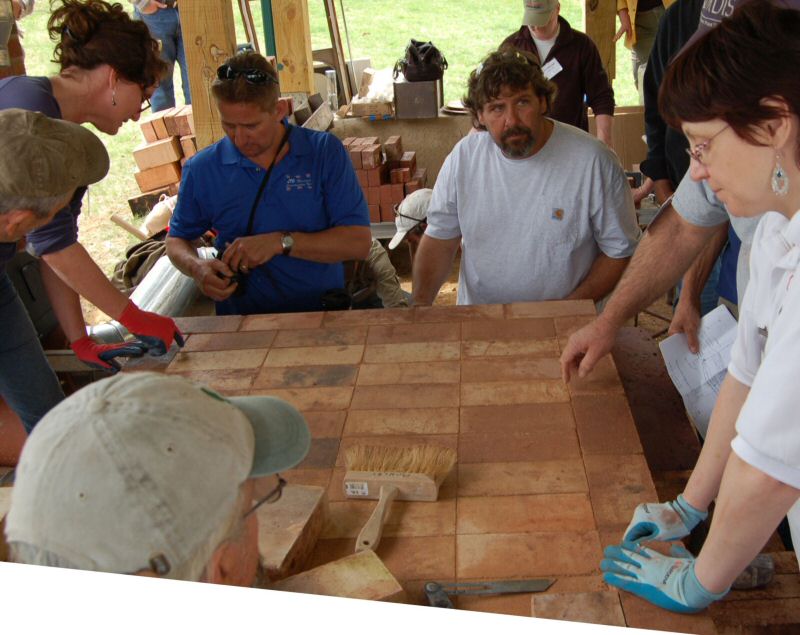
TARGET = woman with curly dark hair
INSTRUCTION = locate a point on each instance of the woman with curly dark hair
(109, 67)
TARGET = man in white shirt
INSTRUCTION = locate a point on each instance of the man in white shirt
(541, 210)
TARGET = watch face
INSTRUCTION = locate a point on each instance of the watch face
(287, 242)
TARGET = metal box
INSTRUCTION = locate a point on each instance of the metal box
(417, 100)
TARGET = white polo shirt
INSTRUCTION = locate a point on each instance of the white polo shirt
(766, 354)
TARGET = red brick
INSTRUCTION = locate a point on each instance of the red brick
(355, 156)
(398, 193)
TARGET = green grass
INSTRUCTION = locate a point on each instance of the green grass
(464, 30)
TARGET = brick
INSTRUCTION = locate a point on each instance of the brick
(373, 196)
(510, 370)
(507, 479)
(405, 519)
(189, 146)
(411, 186)
(409, 373)
(368, 316)
(393, 147)
(360, 576)
(498, 330)
(400, 175)
(371, 156)
(528, 555)
(321, 455)
(385, 195)
(378, 176)
(517, 348)
(223, 380)
(550, 309)
(315, 355)
(506, 392)
(379, 397)
(316, 398)
(398, 193)
(605, 424)
(158, 176)
(370, 141)
(306, 376)
(229, 341)
(325, 424)
(642, 614)
(218, 360)
(442, 313)
(421, 176)
(148, 132)
(549, 443)
(602, 380)
(347, 142)
(409, 160)
(387, 212)
(209, 324)
(355, 156)
(406, 421)
(599, 607)
(516, 419)
(618, 483)
(311, 320)
(374, 213)
(401, 333)
(411, 352)
(288, 529)
(525, 514)
(361, 176)
(343, 335)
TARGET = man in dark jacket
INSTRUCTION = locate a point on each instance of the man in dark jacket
(571, 60)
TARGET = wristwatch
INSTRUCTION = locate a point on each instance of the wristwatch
(287, 242)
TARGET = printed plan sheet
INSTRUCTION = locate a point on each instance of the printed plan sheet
(698, 377)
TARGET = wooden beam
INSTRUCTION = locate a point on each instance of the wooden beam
(293, 45)
(599, 23)
(338, 50)
(249, 26)
(209, 38)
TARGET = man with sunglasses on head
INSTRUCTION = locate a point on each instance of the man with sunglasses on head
(151, 474)
(284, 201)
(541, 210)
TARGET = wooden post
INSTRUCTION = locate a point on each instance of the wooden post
(338, 51)
(293, 46)
(209, 38)
(599, 23)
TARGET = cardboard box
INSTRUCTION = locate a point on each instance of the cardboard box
(627, 139)
(158, 176)
(158, 153)
(141, 204)
(418, 100)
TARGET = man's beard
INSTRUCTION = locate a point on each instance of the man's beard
(520, 148)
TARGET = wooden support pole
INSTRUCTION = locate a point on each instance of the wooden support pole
(338, 50)
(293, 45)
(599, 23)
(209, 38)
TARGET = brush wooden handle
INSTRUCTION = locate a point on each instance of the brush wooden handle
(371, 533)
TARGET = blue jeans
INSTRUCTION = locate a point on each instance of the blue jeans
(165, 26)
(27, 383)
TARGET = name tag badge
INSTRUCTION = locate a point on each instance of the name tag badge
(552, 68)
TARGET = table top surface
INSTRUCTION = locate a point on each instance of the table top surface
(547, 474)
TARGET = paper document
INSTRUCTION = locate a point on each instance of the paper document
(698, 377)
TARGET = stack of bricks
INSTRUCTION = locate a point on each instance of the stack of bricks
(386, 173)
(168, 142)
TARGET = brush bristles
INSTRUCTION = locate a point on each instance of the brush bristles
(433, 461)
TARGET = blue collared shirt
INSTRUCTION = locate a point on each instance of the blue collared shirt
(313, 188)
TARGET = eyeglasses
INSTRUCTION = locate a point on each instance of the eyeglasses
(273, 497)
(251, 75)
(417, 221)
(147, 106)
(700, 149)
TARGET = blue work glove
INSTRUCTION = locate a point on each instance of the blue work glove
(102, 356)
(663, 521)
(668, 582)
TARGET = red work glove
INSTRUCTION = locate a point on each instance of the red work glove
(102, 355)
(155, 331)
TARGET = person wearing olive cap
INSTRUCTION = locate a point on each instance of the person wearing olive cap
(151, 474)
(35, 182)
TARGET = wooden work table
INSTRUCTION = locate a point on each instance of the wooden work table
(547, 474)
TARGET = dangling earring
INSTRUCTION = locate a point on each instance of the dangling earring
(780, 182)
(114, 96)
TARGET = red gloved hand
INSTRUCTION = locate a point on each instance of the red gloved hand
(102, 355)
(155, 331)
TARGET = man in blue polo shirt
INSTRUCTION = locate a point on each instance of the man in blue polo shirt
(284, 201)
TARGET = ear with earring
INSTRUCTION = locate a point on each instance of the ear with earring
(114, 96)
(780, 182)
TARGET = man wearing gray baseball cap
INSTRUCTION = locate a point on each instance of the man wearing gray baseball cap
(42, 162)
(152, 474)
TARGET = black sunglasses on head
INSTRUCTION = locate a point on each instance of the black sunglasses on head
(251, 75)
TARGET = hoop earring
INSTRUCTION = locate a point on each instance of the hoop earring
(114, 96)
(780, 182)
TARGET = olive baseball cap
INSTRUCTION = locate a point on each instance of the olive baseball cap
(538, 12)
(43, 157)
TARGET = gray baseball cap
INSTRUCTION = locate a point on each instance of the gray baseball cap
(538, 12)
(144, 465)
(43, 157)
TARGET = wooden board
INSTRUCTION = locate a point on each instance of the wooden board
(160, 152)
(600, 24)
(209, 38)
(293, 45)
(338, 51)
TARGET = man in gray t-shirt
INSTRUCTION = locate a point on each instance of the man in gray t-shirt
(541, 210)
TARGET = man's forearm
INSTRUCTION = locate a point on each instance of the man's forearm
(669, 246)
(333, 245)
(432, 264)
(696, 277)
(182, 254)
(603, 275)
(604, 125)
(77, 269)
